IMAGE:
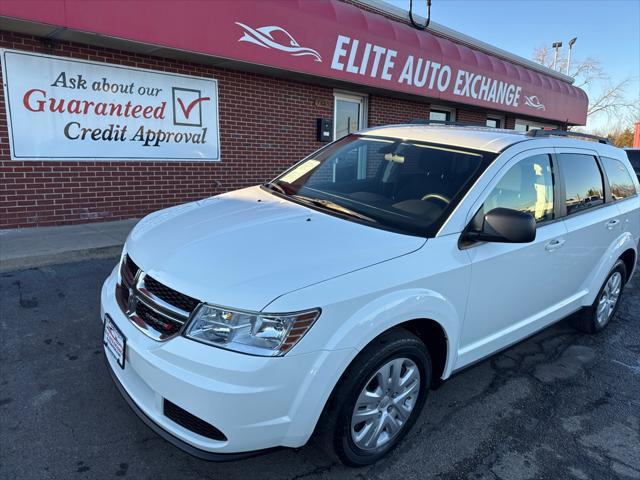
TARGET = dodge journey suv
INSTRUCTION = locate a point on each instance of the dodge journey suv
(330, 300)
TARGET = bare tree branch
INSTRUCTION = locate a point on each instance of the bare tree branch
(605, 97)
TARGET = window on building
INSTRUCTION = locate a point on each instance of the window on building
(526, 187)
(495, 121)
(619, 179)
(442, 114)
(526, 125)
(583, 182)
(348, 114)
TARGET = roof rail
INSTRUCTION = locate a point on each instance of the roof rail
(564, 133)
(422, 121)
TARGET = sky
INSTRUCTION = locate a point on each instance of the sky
(608, 30)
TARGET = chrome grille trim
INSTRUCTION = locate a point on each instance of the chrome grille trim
(156, 303)
(166, 320)
(158, 310)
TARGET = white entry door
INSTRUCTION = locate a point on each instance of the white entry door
(348, 114)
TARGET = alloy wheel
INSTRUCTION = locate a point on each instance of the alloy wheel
(385, 403)
(609, 298)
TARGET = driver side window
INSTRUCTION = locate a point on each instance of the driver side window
(527, 187)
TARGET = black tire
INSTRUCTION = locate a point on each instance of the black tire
(587, 319)
(334, 426)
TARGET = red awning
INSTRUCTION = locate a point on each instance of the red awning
(329, 39)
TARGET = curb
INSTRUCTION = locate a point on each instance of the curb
(71, 256)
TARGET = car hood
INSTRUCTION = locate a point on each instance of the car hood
(245, 248)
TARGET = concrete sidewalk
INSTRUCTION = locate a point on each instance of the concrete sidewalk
(35, 247)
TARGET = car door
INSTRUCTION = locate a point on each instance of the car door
(593, 221)
(516, 288)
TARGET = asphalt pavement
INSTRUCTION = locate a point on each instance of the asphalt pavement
(561, 405)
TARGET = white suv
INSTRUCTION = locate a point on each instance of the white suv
(334, 297)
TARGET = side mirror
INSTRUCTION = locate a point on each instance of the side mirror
(506, 226)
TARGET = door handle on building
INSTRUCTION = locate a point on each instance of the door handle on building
(554, 244)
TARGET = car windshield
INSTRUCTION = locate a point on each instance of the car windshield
(389, 183)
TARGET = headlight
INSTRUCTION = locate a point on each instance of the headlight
(249, 332)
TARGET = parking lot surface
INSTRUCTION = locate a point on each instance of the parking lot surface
(561, 405)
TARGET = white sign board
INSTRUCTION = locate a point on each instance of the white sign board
(60, 108)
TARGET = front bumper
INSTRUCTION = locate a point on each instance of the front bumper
(186, 447)
(257, 402)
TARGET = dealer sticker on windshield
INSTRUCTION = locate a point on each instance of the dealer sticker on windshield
(300, 171)
(114, 340)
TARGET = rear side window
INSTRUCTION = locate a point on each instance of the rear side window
(527, 187)
(582, 181)
(619, 179)
(634, 158)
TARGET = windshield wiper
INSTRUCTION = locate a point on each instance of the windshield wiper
(329, 205)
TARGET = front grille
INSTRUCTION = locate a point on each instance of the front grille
(122, 296)
(131, 265)
(128, 271)
(177, 299)
(159, 323)
(148, 302)
(191, 422)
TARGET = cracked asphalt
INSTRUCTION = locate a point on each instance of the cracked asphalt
(560, 405)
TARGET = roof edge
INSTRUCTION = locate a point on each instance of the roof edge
(459, 37)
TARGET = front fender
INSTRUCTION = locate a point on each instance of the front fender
(349, 337)
(392, 309)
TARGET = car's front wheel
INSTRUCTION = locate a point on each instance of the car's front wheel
(378, 399)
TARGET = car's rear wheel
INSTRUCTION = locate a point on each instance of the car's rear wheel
(378, 399)
(596, 317)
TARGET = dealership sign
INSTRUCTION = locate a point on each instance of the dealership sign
(60, 109)
(327, 39)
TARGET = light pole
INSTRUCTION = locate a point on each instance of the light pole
(571, 42)
(556, 46)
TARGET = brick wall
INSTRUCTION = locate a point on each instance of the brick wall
(385, 111)
(471, 116)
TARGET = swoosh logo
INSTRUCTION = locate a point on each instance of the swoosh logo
(263, 36)
(533, 102)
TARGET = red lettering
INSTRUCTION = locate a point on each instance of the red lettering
(56, 108)
(39, 103)
(116, 109)
(87, 105)
(158, 112)
(35, 100)
(74, 107)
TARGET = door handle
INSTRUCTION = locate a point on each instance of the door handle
(554, 244)
(612, 223)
